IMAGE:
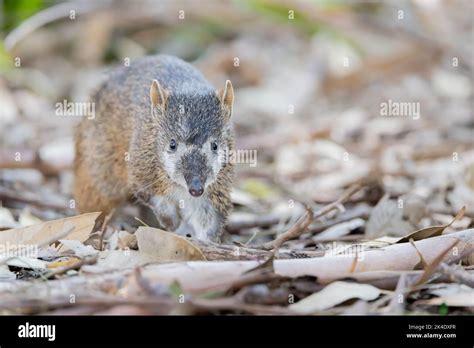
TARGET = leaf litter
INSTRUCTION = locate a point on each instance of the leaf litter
(344, 210)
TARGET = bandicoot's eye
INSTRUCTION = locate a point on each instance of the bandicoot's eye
(214, 146)
(173, 145)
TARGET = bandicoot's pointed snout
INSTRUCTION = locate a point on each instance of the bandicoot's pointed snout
(196, 188)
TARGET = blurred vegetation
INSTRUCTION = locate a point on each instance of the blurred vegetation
(195, 37)
(280, 12)
(16, 11)
(5, 60)
(13, 12)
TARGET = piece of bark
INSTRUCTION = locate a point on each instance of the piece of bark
(201, 276)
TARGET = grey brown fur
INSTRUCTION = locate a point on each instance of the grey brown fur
(125, 151)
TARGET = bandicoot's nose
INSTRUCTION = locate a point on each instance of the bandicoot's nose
(196, 188)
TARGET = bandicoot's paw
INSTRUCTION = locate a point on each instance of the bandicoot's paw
(168, 222)
(166, 213)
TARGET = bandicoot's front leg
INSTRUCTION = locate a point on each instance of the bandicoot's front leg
(166, 213)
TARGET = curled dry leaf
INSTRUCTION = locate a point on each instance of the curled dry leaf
(36, 234)
(166, 246)
(433, 230)
(334, 294)
(423, 233)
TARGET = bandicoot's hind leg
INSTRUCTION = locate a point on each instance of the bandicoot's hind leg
(100, 174)
(88, 198)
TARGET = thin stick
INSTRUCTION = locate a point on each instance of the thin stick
(104, 227)
(141, 221)
(339, 203)
(305, 221)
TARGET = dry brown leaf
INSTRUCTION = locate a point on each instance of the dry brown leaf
(423, 233)
(433, 230)
(35, 234)
(422, 264)
(166, 246)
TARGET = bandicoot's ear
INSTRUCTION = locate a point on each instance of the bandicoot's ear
(158, 95)
(226, 96)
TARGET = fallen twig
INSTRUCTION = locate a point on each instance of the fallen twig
(104, 227)
(309, 216)
(295, 231)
